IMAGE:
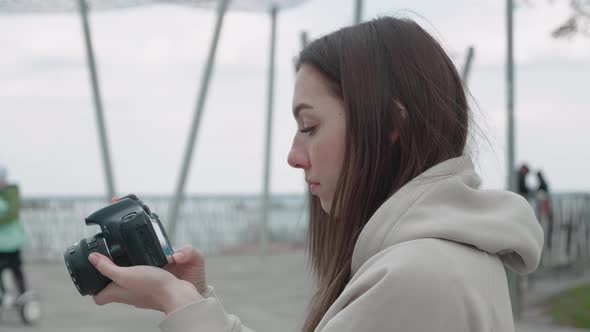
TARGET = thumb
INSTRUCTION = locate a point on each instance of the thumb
(106, 267)
(180, 255)
(188, 255)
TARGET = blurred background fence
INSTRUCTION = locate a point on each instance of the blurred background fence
(231, 224)
(566, 224)
(215, 224)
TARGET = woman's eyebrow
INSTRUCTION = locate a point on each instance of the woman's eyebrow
(297, 109)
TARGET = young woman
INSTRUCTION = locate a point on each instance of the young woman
(400, 237)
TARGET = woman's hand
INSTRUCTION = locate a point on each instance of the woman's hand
(143, 286)
(188, 264)
(180, 282)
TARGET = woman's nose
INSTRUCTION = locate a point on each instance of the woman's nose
(297, 157)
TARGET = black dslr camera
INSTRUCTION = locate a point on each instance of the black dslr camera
(131, 235)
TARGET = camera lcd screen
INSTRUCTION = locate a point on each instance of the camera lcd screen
(162, 238)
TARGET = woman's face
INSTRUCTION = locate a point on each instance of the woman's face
(318, 145)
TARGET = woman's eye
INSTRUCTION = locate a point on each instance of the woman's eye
(307, 130)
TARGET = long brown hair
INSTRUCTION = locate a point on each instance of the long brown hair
(393, 77)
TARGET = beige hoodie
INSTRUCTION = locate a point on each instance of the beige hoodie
(431, 258)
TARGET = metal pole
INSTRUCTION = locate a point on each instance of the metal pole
(179, 193)
(358, 11)
(265, 206)
(514, 280)
(106, 160)
(467, 65)
(510, 95)
(304, 39)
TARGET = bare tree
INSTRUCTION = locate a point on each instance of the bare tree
(577, 22)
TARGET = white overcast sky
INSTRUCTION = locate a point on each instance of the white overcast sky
(150, 61)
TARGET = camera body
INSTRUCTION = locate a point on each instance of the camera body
(130, 235)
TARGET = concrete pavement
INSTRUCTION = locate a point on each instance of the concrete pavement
(268, 294)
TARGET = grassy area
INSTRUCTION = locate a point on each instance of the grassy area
(572, 307)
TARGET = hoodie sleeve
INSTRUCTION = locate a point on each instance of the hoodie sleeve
(207, 315)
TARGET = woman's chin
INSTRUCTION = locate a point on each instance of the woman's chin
(326, 206)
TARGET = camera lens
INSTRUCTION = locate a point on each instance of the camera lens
(87, 279)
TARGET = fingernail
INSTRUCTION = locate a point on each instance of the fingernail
(93, 258)
(178, 255)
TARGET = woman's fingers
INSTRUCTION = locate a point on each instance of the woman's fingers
(148, 286)
(111, 294)
(109, 269)
(188, 254)
(179, 255)
(114, 293)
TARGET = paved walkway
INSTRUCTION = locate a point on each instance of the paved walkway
(268, 294)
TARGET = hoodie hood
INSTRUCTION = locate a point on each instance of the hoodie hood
(444, 202)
